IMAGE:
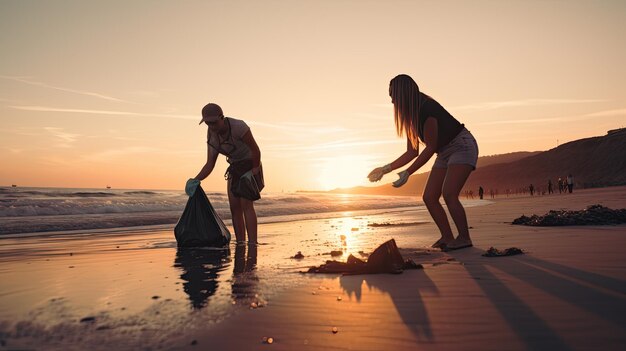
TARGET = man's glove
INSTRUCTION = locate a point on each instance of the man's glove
(191, 186)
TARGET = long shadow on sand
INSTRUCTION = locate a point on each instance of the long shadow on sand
(597, 294)
(602, 296)
(406, 298)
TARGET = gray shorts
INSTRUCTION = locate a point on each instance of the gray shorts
(462, 150)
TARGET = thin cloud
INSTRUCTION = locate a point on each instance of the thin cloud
(299, 127)
(145, 93)
(68, 90)
(607, 113)
(327, 146)
(100, 112)
(290, 127)
(524, 103)
(524, 121)
(374, 117)
(65, 139)
(110, 154)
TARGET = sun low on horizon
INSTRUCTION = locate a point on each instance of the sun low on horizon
(109, 94)
(341, 172)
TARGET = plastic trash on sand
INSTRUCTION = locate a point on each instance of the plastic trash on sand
(511, 251)
(385, 259)
(200, 225)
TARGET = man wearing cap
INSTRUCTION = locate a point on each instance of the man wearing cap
(232, 137)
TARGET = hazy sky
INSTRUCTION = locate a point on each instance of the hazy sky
(110, 92)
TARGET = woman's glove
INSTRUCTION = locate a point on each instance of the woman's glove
(378, 173)
(404, 176)
(191, 186)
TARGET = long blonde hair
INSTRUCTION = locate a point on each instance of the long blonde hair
(405, 95)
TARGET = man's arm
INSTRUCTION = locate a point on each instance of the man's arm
(254, 148)
(210, 163)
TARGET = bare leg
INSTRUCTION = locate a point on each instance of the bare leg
(432, 193)
(455, 179)
(251, 222)
(236, 212)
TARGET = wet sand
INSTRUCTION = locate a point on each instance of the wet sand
(567, 292)
(132, 289)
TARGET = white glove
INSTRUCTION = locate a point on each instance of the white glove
(378, 173)
(404, 176)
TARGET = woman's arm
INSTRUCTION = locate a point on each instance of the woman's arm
(210, 163)
(410, 153)
(405, 158)
(430, 139)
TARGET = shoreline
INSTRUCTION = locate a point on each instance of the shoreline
(261, 220)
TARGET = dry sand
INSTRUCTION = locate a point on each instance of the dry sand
(567, 292)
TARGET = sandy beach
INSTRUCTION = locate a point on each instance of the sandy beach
(567, 292)
(131, 289)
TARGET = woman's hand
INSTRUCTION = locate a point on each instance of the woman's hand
(404, 177)
(378, 173)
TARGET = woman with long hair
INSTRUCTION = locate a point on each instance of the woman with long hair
(421, 118)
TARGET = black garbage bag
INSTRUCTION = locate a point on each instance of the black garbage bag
(247, 187)
(200, 225)
(242, 182)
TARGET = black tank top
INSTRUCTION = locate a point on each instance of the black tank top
(447, 126)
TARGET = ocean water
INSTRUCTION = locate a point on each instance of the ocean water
(35, 210)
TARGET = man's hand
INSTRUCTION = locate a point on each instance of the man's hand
(404, 176)
(191, 186)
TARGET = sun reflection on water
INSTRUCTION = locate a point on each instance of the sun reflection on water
(347, 232)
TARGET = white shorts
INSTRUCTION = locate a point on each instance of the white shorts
(462, 150)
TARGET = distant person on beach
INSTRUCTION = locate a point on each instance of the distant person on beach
(232, 138)
(550, 186)
(480, 192)
(560, 182)
(531, 188)
(422, 118)
(570, 183)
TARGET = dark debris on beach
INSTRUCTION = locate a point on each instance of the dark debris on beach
(592, 215)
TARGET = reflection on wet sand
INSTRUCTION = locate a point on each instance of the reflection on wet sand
(200, 270)
(245, 279)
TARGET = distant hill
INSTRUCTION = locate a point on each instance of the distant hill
(593, 162)
(485, 161)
